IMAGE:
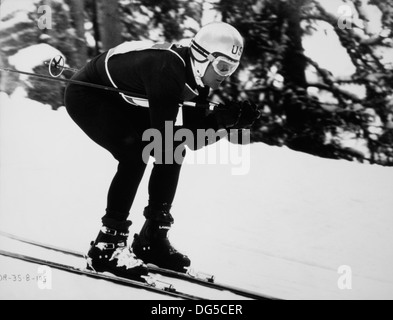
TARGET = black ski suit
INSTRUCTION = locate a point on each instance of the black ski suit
(164, 74)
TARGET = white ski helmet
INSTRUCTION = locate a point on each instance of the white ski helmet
(220, 44)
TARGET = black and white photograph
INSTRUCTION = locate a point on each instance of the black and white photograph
(219, 151)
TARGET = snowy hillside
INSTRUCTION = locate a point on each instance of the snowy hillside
(283, 229)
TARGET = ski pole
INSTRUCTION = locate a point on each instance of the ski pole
(53, 63)
(58, 62)
(211, 106)
(83, 83)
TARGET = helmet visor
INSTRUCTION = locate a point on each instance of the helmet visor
(224, 66)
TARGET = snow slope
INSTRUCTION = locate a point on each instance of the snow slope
(283, 229)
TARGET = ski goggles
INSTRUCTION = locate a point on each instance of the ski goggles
(224, 66)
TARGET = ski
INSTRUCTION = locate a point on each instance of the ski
(150, 284)
(42, 245)
(191, 276)
(207, 281)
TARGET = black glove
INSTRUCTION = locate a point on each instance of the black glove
(227, 115)
(249, 113)
(236, 115)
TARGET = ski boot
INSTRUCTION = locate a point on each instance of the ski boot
(110, 253)
(152, 244)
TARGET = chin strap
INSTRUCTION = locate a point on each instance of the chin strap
(197, 75)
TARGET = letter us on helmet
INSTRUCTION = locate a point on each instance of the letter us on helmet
(237, 50)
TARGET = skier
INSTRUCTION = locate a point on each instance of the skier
(168, 75)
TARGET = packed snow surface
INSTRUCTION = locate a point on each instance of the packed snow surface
(293, 226)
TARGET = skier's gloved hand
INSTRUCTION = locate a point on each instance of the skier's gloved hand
(227, 115)
(249, 113)
(237, 115)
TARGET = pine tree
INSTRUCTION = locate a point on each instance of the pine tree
(109, 23)
(275, 63)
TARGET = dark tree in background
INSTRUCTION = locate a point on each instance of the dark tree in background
(78, 19)
(109, 24)
(274, 30)
(273, 72)
(273, 34)
(160, 20)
